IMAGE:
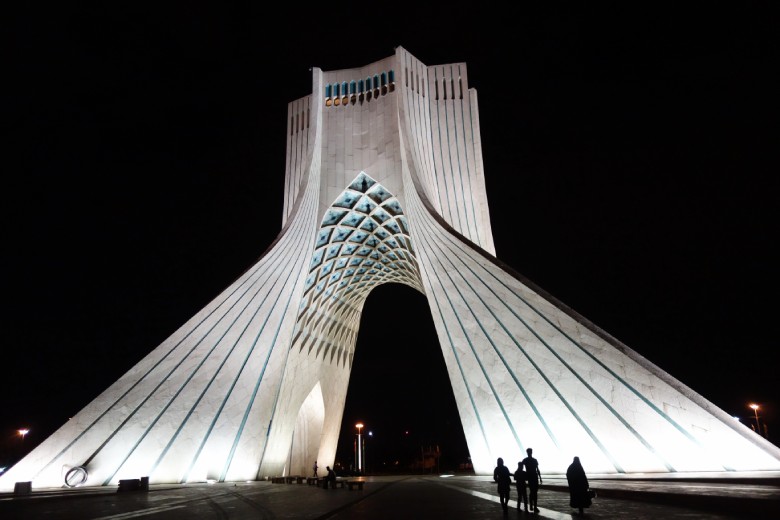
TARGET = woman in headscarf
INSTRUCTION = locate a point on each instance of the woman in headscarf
(502, 476)
(578, 486)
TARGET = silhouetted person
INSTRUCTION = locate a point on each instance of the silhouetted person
(315, 468)
(534, 477)
(520, 479)
(331, 477)
(504, 479)
(578, 486)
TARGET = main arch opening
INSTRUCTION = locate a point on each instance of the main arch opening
(400, 391)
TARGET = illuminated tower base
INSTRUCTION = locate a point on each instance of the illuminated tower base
(385, 184)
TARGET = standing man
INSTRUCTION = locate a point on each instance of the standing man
(534, 478)
(315, 469)
(502, 476)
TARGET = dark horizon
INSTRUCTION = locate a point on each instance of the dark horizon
(630, 159)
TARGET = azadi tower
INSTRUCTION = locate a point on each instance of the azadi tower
(385, 184)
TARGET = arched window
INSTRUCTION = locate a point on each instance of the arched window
(384, 83)
(336, 95)
(368, 88)
(391, 77)
(460, 86)
(328, 91)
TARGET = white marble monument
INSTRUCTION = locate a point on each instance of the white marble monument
(385, 184)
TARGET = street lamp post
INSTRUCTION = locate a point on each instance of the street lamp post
(359, 426)
(22, 433)
(365, 457)
(755, 410)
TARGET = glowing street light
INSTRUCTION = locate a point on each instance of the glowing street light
(23, 432)
(755, 408)
(359, 426)
(369, 435)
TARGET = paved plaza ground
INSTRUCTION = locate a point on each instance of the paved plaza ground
(403, 497)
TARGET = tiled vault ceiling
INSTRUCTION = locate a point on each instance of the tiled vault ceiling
(363, 242)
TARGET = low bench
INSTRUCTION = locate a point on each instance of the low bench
(323, 482)
(312, 481)
(277, 480)
(130, 484)
(23, 488)
(352, 484)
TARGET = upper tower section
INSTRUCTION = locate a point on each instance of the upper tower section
(388, 117)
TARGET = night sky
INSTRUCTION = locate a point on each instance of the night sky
(631, 162)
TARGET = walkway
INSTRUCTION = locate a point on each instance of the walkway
(403, 497)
